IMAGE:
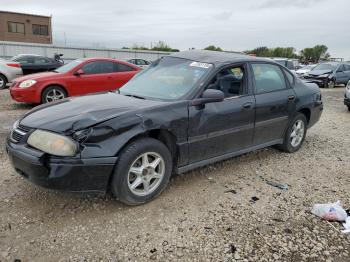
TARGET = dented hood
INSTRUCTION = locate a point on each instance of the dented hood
(74, 114)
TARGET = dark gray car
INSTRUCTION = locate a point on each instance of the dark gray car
(329, 74)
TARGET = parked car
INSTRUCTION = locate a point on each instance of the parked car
(304, 70)
(35, 63)
(347, 96)
(79, 77)
(142, 63)
(8, 71)
(291, 64)
(329, 74)
(189, 109)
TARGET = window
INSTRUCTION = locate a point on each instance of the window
(41, 60)
(341, 68)
(99, 67)
(268, 78)
(140, 62)
(40, 30)
(16, 27)
(290, 77)
(23, 59)
(347, 67)
(230, 81)
(123, 68)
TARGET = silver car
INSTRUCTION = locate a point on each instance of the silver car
(347, 96)
(9, 70)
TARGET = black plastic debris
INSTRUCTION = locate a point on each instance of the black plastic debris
(254, 199)
(233, 249)
(231, 191)
(153, 250)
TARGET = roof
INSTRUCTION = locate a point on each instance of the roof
(214, 57)
(17, 13)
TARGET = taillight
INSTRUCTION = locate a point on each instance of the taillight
(14, 65)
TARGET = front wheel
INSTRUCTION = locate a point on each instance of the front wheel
(53, 93)
(295, 134)
(143, 171)
(330, 83)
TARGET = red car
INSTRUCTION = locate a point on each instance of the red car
(79, 77)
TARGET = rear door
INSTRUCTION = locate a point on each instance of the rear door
(275, 102)
(122, 74)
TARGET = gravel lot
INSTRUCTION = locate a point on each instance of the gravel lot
(223, 212)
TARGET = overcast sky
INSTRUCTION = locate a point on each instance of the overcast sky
(230, 24)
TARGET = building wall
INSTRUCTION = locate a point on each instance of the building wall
(28, 21)
(9, 49)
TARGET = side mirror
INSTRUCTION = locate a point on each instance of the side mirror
(209, 96)
(79, 72)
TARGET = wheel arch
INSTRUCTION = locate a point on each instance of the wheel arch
(6, 78)
(306, 112)
(54, 84)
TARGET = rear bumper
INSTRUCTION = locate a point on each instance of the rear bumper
(73, 175)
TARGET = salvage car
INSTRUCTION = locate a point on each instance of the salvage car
(305, 70)
(79, 77)
(31, 64)
(8, 71)
(189, 109)
(347, 96)
(329, 74)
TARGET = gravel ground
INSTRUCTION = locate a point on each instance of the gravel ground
(223, 212)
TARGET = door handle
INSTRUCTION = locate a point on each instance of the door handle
(291, 98)
(247, 105)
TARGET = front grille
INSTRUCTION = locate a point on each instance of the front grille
(18, 133)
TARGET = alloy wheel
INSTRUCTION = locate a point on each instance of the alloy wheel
(54, 95)
(146, 174)
(297, 133)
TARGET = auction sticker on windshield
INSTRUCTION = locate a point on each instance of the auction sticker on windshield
(202, 65)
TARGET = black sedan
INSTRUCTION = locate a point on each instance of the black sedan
(31, 64)
(187, 110)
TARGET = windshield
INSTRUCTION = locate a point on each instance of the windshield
(67, 67)
(168, 78)
(326, 67)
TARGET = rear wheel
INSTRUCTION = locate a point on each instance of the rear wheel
(295, 134)
(143, 171)
(3, 81)
(53, 93)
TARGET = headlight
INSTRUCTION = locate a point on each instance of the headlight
(323, 76)
(27, 83)
(52, 143)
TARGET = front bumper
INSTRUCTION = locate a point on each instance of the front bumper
(26, 95)
(73, 175)
(320, 82)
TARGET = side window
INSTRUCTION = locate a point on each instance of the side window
(341, 68)
(41, 60)
(98, 67)
(122, 68)
(347, 67)
(23, 60)
(230, 81)
(268, 78)
(140, 62)
(290, 77)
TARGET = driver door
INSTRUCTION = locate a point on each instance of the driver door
(220, 128)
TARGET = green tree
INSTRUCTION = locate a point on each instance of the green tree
(314, 54)
(213, 48)
(263, 51)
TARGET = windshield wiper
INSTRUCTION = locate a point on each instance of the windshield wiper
(139, 97)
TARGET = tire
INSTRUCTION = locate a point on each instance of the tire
(330, 83)
(288, 145)
(3, 82)
(129, 187)
(53, 93)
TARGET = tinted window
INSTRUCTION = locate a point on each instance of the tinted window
(123, 68)
(99, 67)
(268, 78)
(67, 67)
(230, 81)
(140, 62)
(347, 67)
(23, 59)
(341, 68)
(41, 60)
